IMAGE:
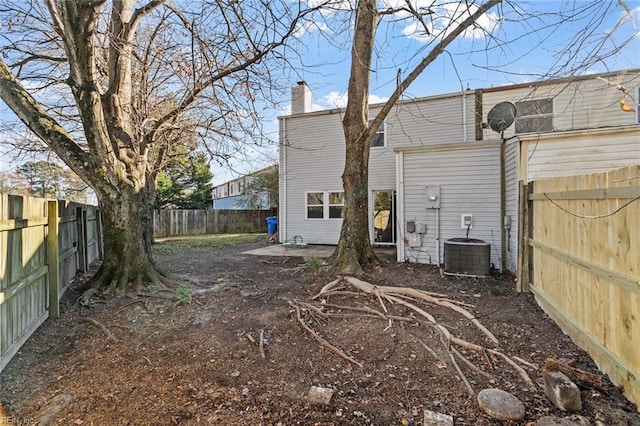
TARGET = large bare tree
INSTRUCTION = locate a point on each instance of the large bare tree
(112, 86)
(354, 248)
(581, 50)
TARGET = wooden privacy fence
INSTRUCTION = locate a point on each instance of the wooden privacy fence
(172, 223)
(582, 262)
(43, 245)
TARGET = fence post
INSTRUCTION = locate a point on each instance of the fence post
(523, 242)
(53, 258)
(81, 239)
(99, 234)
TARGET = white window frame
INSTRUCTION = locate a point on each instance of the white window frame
(307, 205)
(330, 204)
(381, 131)
(326, 205)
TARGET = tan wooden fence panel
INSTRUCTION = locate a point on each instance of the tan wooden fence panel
(23, 271)
(584, 245)
(172, 223)
(39, 257)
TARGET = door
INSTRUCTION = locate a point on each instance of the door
(384, 217)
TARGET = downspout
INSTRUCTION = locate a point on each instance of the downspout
(400, 239)
(283, 187)
(503, 203)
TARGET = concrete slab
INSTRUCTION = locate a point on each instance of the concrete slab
(281, 250)
(320, 251)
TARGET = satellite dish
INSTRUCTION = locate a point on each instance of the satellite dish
(501, 116)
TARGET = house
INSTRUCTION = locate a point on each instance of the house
(437, 171)
(248, 192)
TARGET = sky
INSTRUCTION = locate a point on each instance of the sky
(474, 60)
(507, 47)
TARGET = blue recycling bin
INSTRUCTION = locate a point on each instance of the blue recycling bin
(272, 225)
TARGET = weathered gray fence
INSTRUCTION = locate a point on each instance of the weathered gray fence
(43, 245)
(172, 223)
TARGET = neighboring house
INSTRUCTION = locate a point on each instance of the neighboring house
(437, 172)
(237, 194)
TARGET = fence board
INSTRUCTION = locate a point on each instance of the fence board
(23, 281)
(31, 255)
(173, 223)
(586, 265)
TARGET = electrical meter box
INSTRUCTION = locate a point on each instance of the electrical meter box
(433, 197)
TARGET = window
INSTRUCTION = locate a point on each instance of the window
(336, 205)
(325, 205)
(378, 138)
(534, 116)
(315, 205)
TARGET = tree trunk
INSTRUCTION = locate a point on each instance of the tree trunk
(127, 244)
(354, 248)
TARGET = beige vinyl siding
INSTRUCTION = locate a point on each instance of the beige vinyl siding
(581, 152)
(511, 203)
(469, 182)
(312, 155)
(581, 104)
(431, 121)
(311, 160)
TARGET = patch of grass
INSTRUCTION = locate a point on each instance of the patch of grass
(141, 315)
(314, 263)
(172, 245)
(184, 295)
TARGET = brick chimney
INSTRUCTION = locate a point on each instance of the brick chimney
(300, 98)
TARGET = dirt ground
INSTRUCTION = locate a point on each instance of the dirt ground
(143, 359)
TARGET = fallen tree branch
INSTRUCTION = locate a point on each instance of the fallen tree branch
(431, 351)
(594, 381)
(418, 294)
(106, 331)
(413, 299)
(525, 362)
(472, 393)
(471, 365)
(145, 339)
(521, 371)
(261, 345)
(326, 288)
(322, 341)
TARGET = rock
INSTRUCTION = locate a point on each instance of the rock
(319, 395)
(432, 418)
(567, 421)
(500, 405)
(561, 391)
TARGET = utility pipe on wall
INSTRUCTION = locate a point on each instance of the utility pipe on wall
(438, 237)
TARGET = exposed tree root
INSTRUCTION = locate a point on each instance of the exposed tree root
(411, 299)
